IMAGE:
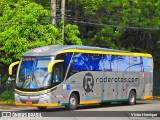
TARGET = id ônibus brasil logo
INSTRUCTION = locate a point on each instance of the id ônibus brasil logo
(88, 82)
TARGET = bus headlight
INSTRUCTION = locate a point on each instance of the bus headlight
(16, 95)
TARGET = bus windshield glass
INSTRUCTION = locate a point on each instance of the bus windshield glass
(32, 73)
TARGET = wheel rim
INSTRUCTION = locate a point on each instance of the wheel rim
(72, 102)
(132, 99)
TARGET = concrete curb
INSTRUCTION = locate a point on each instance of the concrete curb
(7, 103)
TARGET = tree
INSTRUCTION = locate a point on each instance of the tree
(120, 16)
(72, 33)
(24, 26)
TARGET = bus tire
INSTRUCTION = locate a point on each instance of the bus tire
(73, 102)
(42, 108)
(132, 98)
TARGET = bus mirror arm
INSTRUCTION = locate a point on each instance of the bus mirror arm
(51, 64)
(11, 76)
(11, 67)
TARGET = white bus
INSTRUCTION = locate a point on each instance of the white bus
(72, 75)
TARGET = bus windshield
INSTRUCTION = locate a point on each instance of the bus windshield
(32, 73)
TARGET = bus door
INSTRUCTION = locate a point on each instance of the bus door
(58, 73)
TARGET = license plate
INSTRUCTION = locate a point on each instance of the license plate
(28, 102)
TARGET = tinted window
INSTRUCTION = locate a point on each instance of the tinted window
(96, 62)
(80, 62)
(147, 64)
(123, 63)
(66, 57)
(110, 63)
(136, 64)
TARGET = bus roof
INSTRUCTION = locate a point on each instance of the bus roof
(52, 50)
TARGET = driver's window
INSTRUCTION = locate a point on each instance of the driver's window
(58, 73)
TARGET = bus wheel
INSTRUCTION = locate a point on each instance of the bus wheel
(132, 98)
(73, 101)
(42, 108)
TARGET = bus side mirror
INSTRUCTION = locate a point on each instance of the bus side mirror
(51, 64)
(10, 79)
(10, 70)
(11, 67)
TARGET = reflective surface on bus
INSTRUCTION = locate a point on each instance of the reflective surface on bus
(32, 73)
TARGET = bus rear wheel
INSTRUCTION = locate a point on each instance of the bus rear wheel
(132, 98)
(42, 108)
(73, 102)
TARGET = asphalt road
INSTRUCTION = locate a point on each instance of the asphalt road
(146, 110)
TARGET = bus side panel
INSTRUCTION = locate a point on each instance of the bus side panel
(148, 85)
(131, 80)
(118, 85)
(74, 83)
(148, 76)
(85, 83)
(109, 86)
(97, 86)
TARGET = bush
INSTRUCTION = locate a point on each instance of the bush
(7, 96)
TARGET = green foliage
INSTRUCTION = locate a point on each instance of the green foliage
(71, 34)
(26, 25)
(121, 16)
(90, 6)
(107, 38)
(5, 77)
(23, 27)
(7, 96)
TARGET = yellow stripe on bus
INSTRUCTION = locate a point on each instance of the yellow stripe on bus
(89, 102)
(152, 64)
(51, 64)
(107, 52)
(148, 97)
(38, 105)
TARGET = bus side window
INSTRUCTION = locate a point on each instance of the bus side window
(110, 63)
(136, 64)
(147, 64)
(107, 62)
(80, 62)
(58, 73)
(123, 63)
(96, 62)
(67, 59)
